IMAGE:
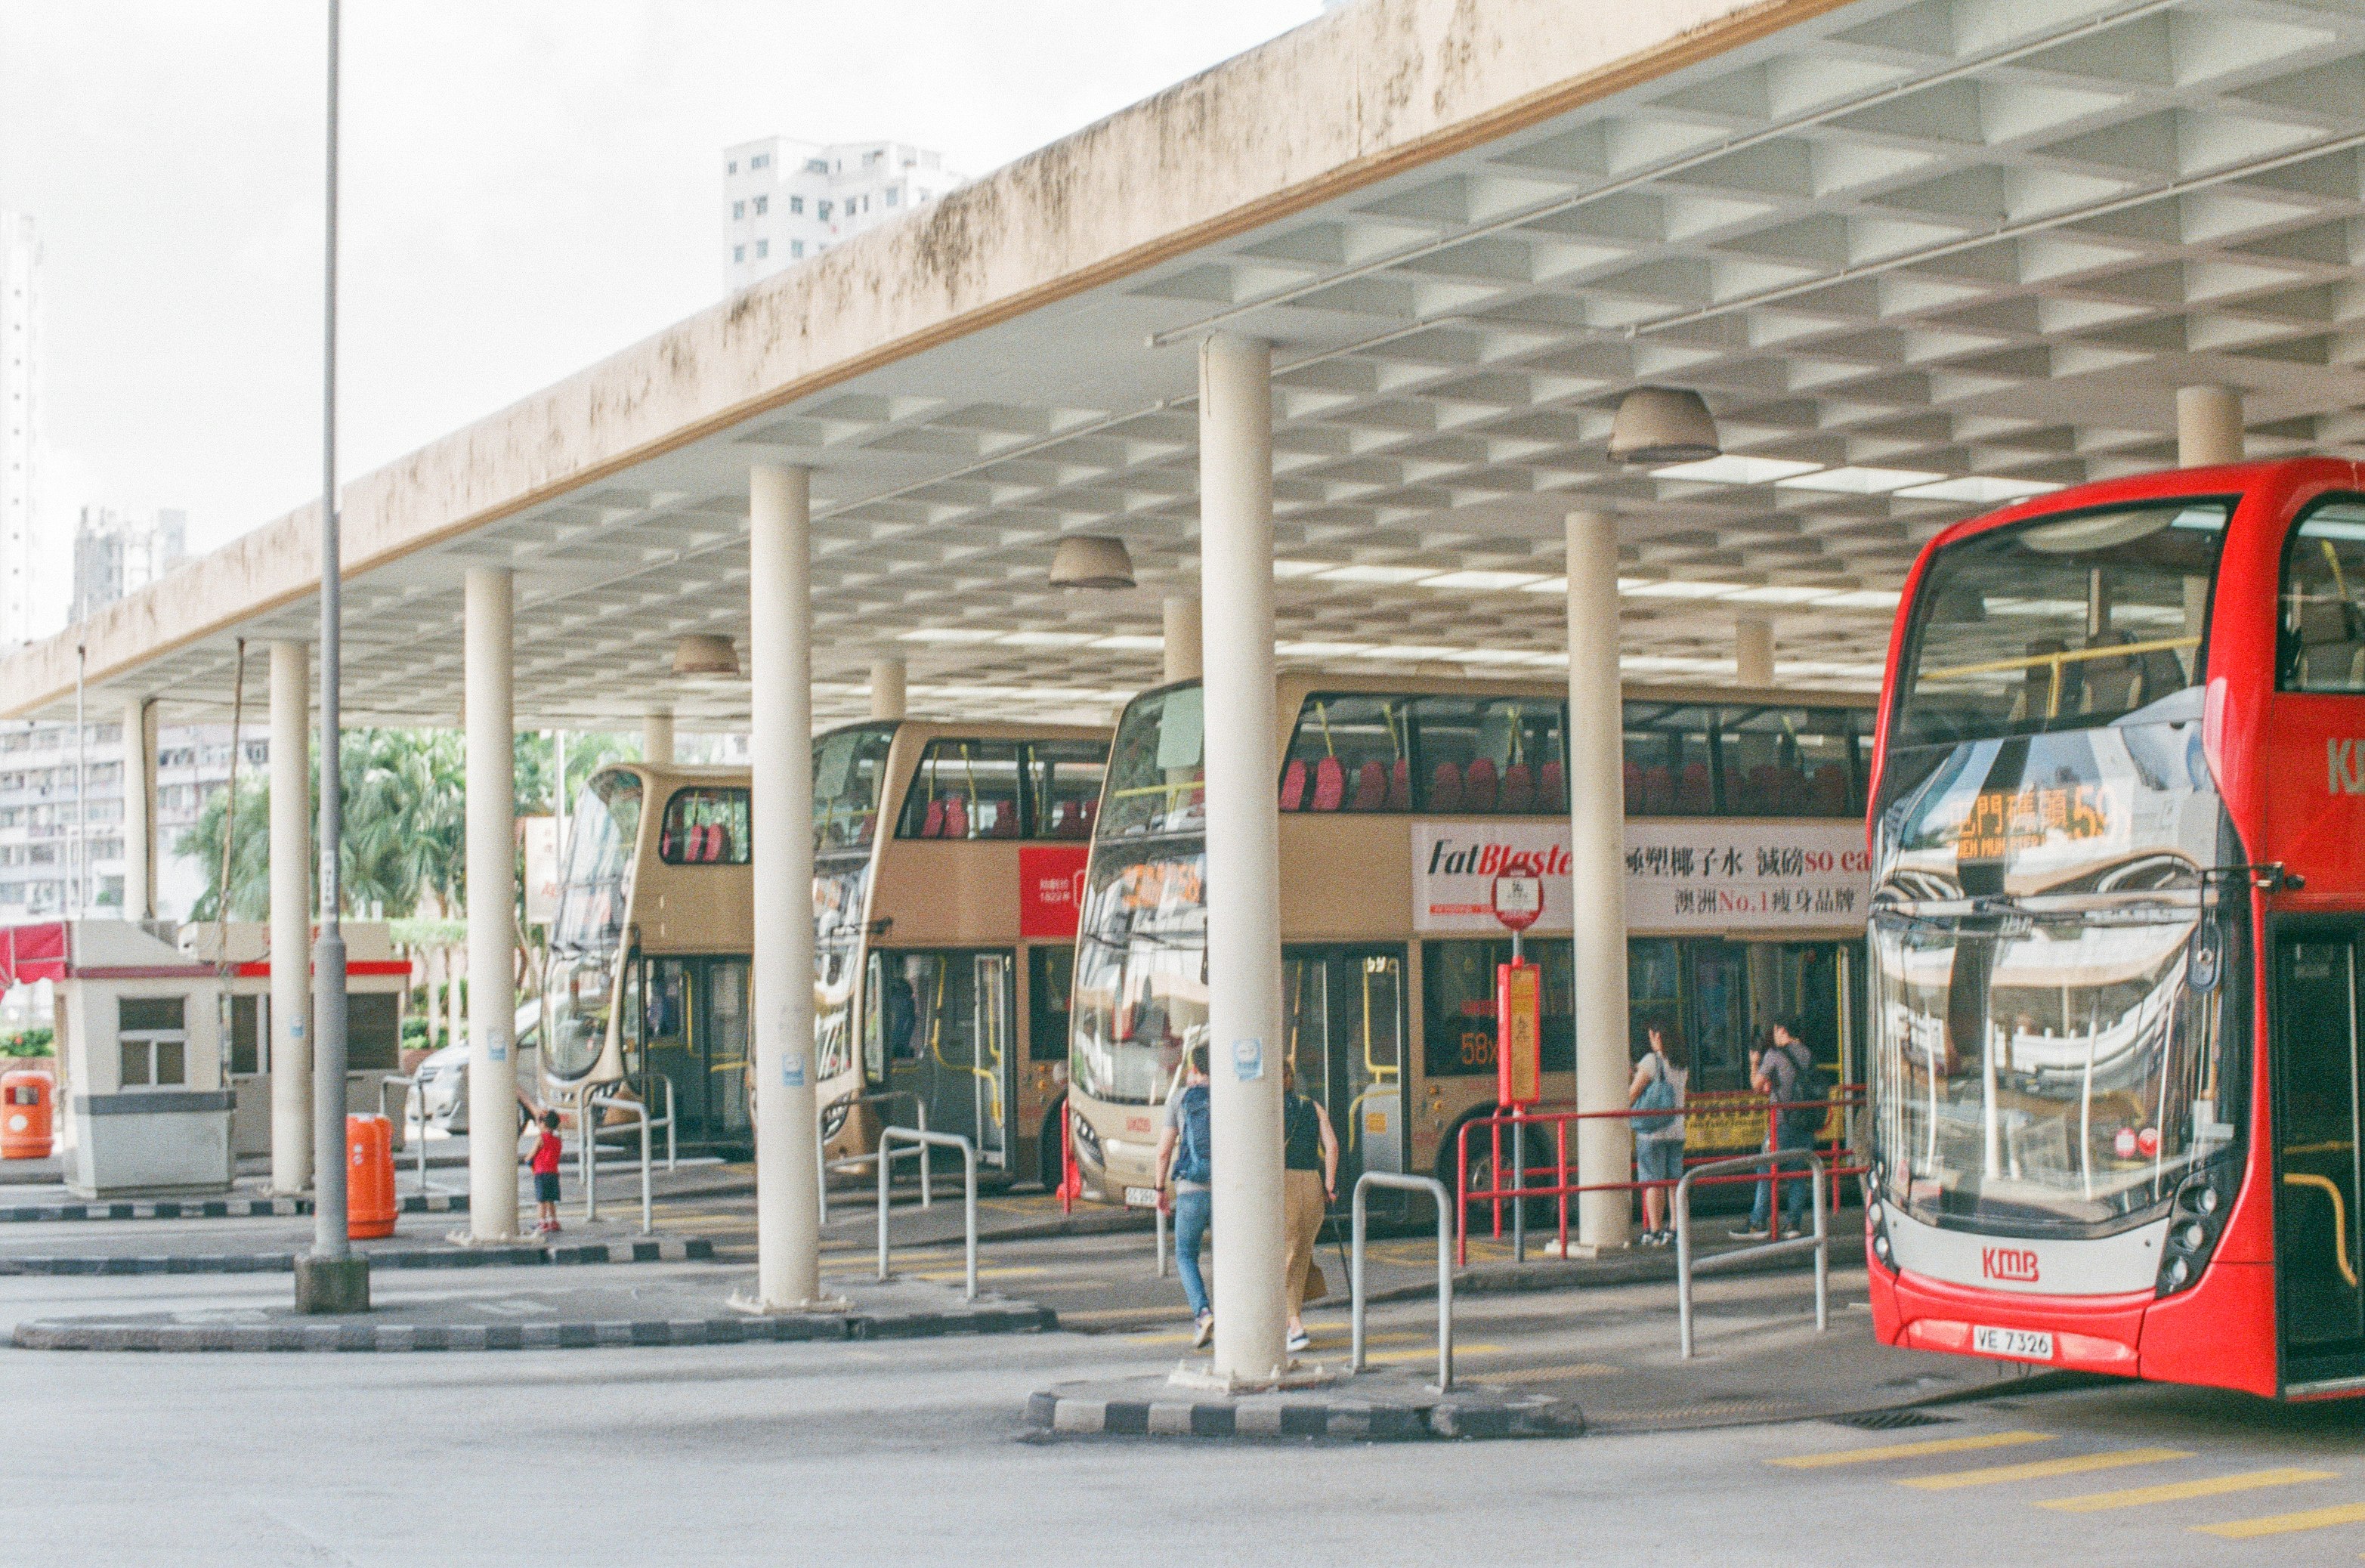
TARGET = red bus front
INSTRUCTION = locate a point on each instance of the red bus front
(2117, 962)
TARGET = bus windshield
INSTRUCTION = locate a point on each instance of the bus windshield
(590, 922)
(2061, 623)
(841, 905)
(1141, 970)
(849, 773)
(1158, 768)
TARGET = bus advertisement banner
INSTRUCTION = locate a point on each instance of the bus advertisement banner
(1694, 875)
(1050, 888)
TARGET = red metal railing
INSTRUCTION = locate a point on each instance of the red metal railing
(1524, 1184)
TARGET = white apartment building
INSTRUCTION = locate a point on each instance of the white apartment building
(784, 201)
(120, 552)
(24, 594)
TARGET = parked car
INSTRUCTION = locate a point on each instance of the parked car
(441, 1094)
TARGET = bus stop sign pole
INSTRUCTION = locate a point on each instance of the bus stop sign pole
(1518, 902)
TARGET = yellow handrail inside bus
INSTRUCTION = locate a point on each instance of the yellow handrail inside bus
(2066, 656)
(2339, 1216)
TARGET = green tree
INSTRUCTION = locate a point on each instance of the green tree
(250, 859)
(586, 753)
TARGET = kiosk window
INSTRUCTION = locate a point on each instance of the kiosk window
(373, 1031)
(245, 1034)
(152, 1034)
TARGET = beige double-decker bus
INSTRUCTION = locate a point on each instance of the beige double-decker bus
(1400, 800)
(948, 864)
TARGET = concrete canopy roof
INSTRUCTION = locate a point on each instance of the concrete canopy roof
(1920, 256)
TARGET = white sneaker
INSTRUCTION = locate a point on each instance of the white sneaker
(1298, 1340)
(1203, 1332)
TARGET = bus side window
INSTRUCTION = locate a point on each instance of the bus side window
(2324, 601)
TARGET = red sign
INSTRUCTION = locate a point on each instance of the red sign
(1518, 900)
(1050, 888)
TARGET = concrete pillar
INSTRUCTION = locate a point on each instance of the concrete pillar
(888, 697)
(2208, 426)
(779, 592)
(492, 869)
(1753, 651)
(656, 735)
(1183, 639)
(291, 917)
(1245, 1044)
(1597, 843)
(140, 809)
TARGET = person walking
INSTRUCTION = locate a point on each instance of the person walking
(1782, 1070)
(1309, 1185)
(1660, 1078)
(1183, 1164)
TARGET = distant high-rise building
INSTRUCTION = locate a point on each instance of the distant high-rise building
(784, 201)
(120, 552)
(23, 612)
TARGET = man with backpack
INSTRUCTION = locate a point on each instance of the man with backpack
(1786, 1073)
(1182, 1155)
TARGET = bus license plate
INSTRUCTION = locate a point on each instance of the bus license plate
(1141, 1197)
(2020, 1344)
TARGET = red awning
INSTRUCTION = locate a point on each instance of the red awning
(30, 953)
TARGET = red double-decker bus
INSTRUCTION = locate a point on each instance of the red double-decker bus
(2118, 935)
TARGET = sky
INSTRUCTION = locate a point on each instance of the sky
(529, 186)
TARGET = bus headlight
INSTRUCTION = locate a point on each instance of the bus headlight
(1087, 1142)
(2196, 1218)
(1875, 1224)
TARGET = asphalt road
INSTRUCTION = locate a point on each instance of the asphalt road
(907, 1452)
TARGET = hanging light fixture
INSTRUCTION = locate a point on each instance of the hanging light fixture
(702, 655)
(1660, 425)
(1092, 561)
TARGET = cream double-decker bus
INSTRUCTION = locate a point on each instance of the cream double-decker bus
(1746, 890)
(949, 860)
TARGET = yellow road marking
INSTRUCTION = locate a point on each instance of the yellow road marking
(1911, 1451)
(2286, 1524)
(1000, 1272)
(2178, 1491)
(1551, 1374)
(2038, 1470)
(1429, 1353)
(1320, 1338)
(1107, 1314)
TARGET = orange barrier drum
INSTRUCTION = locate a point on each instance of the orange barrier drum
(28, 1115)
(369, 1177)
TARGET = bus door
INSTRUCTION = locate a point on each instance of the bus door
(2321, 1190)
(693, 1021)
(947, 1021)
(1343, 1018)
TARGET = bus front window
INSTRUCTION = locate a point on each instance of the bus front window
(841, 905)
(850, 772)
(1158, 770)
(1141, 985)
(585, 936)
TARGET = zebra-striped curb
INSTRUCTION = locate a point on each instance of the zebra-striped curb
(660, 1250)
(1366, 1409)
(1017, 1317)
(211, 1208)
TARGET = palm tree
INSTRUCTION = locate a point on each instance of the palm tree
(250, 859)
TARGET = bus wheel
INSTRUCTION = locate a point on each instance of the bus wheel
(1051, 1157)
(1538, 1163)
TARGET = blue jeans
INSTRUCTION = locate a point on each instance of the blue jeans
(1191, 1213)
(1796, 1191)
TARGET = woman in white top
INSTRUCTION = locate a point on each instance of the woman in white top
(1659, 1150)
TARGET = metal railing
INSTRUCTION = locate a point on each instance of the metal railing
(1821, 1243)
(1524, 1179)
(1436, 1189)
(590, 1108)
(823, 1165)
(921, 1143)
(401, 1118)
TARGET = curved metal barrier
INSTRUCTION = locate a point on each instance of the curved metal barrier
(596, 1103)
(920, 1144)
(1441, 1198)
(1820, 1242)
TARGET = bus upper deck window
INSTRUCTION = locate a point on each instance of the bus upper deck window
(1064, 787)
(963, 789)
(2324, 601)
(705, 825)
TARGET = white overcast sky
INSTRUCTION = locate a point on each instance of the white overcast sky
(530, 184)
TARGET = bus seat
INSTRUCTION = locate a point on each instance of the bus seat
(1091, 805)
(1693, 796)
(1659, 792)
(1635, 797)
(2110, 682)
(1330, 785)
(1479, 785)
(1293, 785)
(664, 846)
(1371, 789)
(1551, 788)
(1445, 788)
(935, 826)
(1002, 819)
(2328, 650)
(1829, 788)
(1400, 785)
(1518, 791)
(2162, 674)
(955, 818)
(1761, 791)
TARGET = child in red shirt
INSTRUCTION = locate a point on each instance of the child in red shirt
(546, 1174)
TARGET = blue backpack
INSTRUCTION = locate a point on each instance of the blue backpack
(1191, 1148)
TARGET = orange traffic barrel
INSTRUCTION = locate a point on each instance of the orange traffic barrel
(27, 1113)
(369, 1177)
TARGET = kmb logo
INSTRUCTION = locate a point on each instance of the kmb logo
(2008, 1263)
(2344, 766)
